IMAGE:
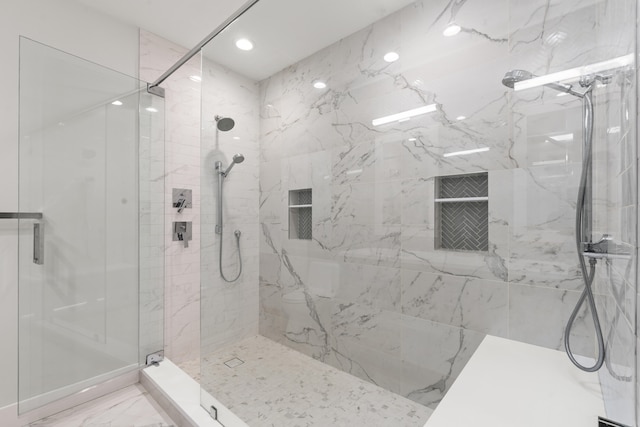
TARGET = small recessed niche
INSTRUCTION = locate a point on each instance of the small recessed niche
(300, 214)
(462, 212)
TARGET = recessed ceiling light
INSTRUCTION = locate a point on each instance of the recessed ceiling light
(236, 138)
(195, 78)
(319, 84)
(244, 44)
(116, 102)
(391, 57)
(151, 110)
(461, 117)
(452, 29)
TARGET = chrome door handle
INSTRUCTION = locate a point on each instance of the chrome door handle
(38, 232)
(38, 243)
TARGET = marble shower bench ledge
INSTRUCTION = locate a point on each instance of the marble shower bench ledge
(509, 383)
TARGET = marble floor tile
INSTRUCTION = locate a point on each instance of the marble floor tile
(130, 407)
(278, 386)
(191, 367)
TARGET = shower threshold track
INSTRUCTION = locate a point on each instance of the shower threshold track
(267, 384)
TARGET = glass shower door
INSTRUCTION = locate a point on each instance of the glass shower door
(78, 253)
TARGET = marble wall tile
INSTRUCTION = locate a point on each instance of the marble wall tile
(433, 355)
(377, 204)
(182, 140)
(476, 304)
(376, 214)
(229, 310)
(535, 314)
(366, 326)
(369, 285)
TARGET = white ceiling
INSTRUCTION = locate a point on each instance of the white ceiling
(283, 31)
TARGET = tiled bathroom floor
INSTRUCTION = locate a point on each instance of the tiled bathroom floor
(276, 386)
(130, 407)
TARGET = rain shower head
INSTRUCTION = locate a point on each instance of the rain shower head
(224, 123)
(237, 158)
(514, 76)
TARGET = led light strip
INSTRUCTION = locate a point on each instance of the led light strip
(405, 115)
(575, 73)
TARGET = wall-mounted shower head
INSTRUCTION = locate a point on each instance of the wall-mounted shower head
(224, 123)
(514, 76)
(237, 158)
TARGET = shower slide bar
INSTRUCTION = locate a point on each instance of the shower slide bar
(38, 232)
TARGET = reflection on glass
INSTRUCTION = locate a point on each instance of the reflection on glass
(79, 132)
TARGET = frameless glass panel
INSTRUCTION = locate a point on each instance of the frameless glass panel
(371, 113)
(78, 264)
(151, 165)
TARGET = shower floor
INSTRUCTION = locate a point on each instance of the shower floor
(267, 384)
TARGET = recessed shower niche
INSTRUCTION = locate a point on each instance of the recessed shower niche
(462, 212)
(300, 215)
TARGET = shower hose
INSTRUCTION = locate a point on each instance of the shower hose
(220, 231)
(237, 234)
(588, 276)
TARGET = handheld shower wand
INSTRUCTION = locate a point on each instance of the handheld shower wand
(583, 208)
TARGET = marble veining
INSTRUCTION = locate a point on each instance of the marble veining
(374, 211)
(278, 386)
(130, 407)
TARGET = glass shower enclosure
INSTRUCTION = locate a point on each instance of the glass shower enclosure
(90, 141)
(443, 202)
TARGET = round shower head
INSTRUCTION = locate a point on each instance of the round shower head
(238, 158)
(514, 76)
(224, 123)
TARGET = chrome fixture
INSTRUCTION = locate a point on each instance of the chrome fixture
(514, 76)
(181, 198)
(181, 204)
(38, 232)
(237, 158)
(583, 225)
(154, 358)
(182, 232)
(224, 123)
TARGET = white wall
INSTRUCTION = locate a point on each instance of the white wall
(65, 25)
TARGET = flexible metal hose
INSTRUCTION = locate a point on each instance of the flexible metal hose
(237, 234)
(587, 293)
(220, 227)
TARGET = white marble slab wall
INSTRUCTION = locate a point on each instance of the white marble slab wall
(230, 310)
(379, 300)
(182, 170)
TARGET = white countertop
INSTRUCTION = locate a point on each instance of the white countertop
(509, 383)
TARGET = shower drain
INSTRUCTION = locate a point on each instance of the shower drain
(232, 363)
